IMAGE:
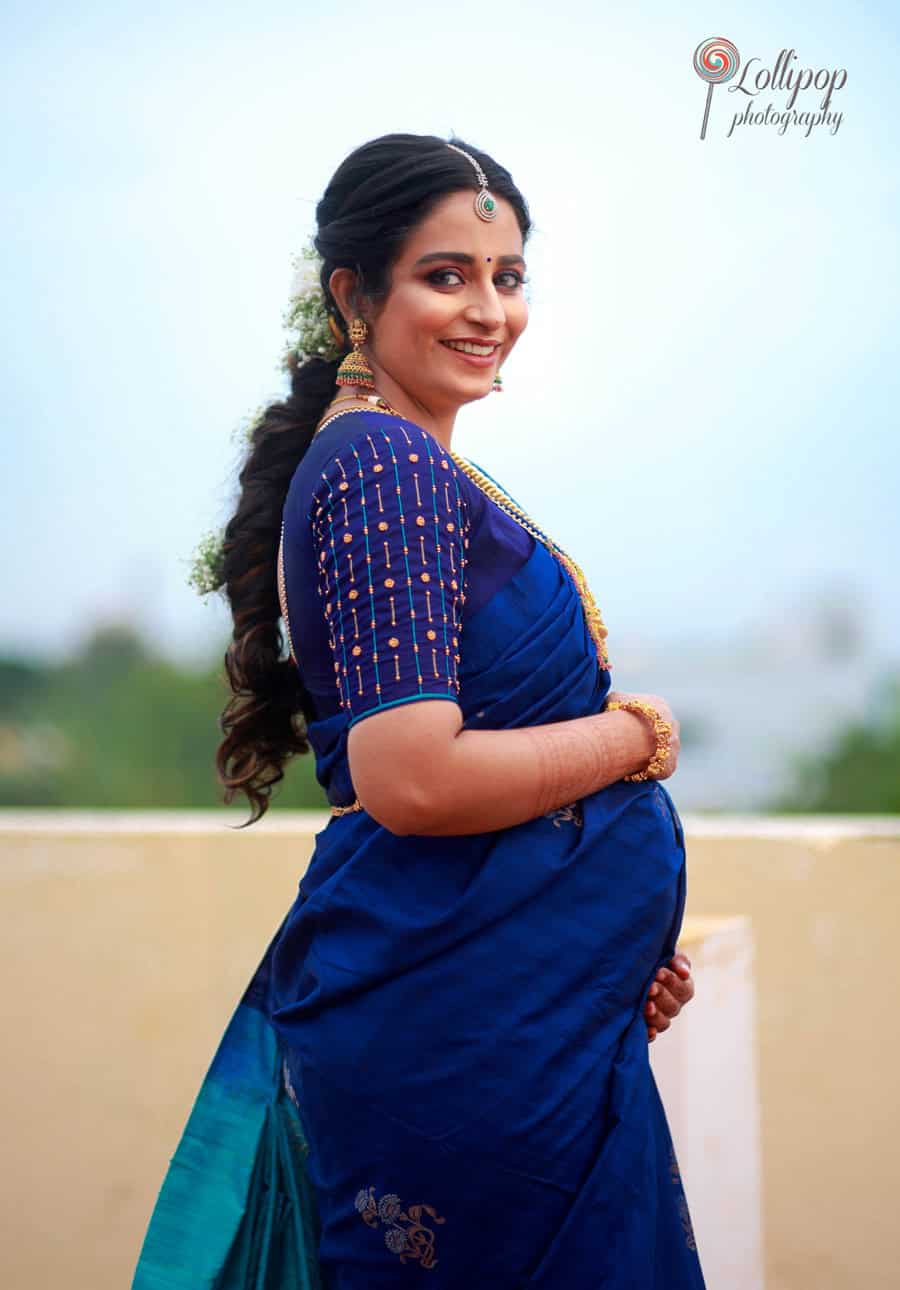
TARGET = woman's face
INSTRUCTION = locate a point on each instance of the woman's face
(456, 285)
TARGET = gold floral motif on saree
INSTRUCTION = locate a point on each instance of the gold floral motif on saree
(406, 1232)
(571, 814)
(683, 1212)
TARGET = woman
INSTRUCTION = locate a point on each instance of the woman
(453, 1018)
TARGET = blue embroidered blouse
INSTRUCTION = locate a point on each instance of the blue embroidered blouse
(388, 548)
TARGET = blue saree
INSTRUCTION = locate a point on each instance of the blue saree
(439, 1074)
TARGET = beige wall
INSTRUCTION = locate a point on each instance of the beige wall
(127, 941)
(823, 899)
(707, 1071)
(124, 949)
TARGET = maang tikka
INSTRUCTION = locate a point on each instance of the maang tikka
(485, 204)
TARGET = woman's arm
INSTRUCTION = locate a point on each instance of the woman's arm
(391, 524)
(417, 771)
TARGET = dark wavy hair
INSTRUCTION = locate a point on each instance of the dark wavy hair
(377, 196)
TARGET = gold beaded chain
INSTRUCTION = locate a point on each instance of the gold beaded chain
(592, 616)
(376, 404)
(282, 596)
(375, 401)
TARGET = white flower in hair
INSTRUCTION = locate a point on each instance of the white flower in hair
(306, 320)
(307, 316)
(306, 276)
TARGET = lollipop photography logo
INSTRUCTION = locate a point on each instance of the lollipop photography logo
(717, 61)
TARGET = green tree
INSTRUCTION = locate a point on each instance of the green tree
(117, 726)
(860, 771)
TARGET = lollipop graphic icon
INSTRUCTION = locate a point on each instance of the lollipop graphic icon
(715, 60)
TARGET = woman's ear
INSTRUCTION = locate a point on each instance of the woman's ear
(343, 286)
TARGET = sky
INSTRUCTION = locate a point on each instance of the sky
(702, 410)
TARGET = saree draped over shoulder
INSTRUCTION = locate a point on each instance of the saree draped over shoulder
(439, 1075)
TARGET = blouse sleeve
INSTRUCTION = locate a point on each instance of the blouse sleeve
(390, 527)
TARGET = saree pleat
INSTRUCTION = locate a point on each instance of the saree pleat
(237, 1210)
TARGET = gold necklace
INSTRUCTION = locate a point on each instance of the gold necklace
(596, 628)
(376, 404)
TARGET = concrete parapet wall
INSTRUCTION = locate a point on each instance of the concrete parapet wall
(127, 940)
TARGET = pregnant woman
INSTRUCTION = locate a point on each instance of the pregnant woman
(439, 1075)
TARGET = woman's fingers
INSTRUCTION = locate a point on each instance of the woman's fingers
(672, 989)
(659, 1011)
(655, 1021)
(680, 989)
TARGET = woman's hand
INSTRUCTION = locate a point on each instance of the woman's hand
(672, 989)
(666, 713)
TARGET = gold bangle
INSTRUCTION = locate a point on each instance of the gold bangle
(347, 810)
(661, 729)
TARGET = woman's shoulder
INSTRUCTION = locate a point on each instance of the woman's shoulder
(365, 446)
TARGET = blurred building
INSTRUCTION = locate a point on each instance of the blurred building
(749, 706)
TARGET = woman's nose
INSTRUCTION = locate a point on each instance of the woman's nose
(486, 308)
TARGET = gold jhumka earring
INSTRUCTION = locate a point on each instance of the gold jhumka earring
(354, 369)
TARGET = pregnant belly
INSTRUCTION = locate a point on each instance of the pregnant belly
(440, 976)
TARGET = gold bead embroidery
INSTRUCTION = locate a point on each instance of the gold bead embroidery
(410, 496)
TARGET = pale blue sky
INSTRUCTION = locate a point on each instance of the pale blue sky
(734, 449)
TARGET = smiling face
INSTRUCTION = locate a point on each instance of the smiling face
(455, 309)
